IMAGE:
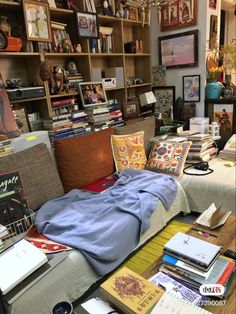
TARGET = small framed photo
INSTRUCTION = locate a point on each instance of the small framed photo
(212, 4)
(37, 20)
(165, 96)
(131, 108)
(191, 88)
(92, 94)
(87, 24)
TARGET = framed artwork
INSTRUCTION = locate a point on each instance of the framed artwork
(176, 14)
(165, 96)
(87, 24)
(131, 108)
(179, 50)
(191, 88)
(22, 120)
(213, 32)
(37, 20)
(92, 94)
(212, 4)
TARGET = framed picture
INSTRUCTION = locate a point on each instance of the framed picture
(131, 108)
(179, 50)
(212, 4)
(165, 96)
(87, 24)
(92, 94)
(37, 20)
(213, 32)
(22, 120)
(191, 88)
(176, 14)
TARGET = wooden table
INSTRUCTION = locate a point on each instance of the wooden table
(226, 239)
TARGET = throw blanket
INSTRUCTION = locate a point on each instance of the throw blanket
(106, 227)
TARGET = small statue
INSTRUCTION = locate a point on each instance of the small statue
(77, 48)
(5, 26)
(66, 45)
(72, 68)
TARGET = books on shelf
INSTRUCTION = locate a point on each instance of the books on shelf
(130, 292)
(169, 284)
(22, 259)
(170, 303)
(212, 217)
(194, 251)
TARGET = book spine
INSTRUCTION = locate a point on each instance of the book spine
(226, 274)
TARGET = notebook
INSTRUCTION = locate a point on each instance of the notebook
(170, 303)
(18, 262)
(192, 250)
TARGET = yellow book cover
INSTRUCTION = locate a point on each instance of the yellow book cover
(130, 292)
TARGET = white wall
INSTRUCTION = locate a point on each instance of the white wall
(174, 76)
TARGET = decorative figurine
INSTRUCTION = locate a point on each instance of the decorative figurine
(72, 68)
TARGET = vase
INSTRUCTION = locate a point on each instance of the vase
(213, 90)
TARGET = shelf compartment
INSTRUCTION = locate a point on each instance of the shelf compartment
(98, 60)
(131, 33)
(135, 68)
(27, 100)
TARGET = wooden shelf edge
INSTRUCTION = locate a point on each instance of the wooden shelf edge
(137, 54)
(59, 10)
(114, 88)
(111, 54)
(62, 54)
(138, 85)
(18, 54)
(10, 3)
(26, 100)
(64, 95)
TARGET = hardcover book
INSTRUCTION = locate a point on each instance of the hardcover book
(130, 292)
(169, 284)
(194, 251)
(13, 203)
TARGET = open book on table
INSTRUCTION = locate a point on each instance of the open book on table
(212, 217)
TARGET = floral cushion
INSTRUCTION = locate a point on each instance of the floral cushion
(128, 151)
(168, 158)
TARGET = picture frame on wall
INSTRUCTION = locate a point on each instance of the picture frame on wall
(178, 14)
(87, 24)
(165, 96)
(179, 50)
(191, 88)
(37, 20)
(213, 32)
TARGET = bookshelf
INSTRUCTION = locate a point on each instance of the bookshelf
(25, 64)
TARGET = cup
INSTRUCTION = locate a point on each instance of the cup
(63, 307)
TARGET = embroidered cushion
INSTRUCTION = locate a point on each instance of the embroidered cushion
(128, 151)
(168, 158)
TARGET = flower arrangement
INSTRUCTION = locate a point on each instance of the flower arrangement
(215, 72)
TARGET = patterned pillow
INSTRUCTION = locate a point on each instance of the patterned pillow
(168, 158)
(128, 151)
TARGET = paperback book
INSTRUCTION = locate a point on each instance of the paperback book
(130, 292)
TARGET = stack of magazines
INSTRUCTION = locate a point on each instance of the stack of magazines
(194, 262)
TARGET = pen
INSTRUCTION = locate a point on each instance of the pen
(207, 233)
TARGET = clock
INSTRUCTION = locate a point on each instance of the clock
(3, 40)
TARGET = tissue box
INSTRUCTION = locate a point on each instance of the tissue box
(199, 124)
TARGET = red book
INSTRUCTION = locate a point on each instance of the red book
(226, 274)
(99, 186)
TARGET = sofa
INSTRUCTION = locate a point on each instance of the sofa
(73, 164)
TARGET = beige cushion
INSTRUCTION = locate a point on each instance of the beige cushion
(39, 175)
(147, 125)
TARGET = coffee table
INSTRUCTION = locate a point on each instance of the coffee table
(225, 237)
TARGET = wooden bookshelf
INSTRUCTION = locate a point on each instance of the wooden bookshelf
(25, 64)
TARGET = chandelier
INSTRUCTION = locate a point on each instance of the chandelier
(145, 6)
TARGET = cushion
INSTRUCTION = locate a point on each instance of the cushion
(128, 151)
(84, 159)
(168, 158)
(147, 125)
(39, 175)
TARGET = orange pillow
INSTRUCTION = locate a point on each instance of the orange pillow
(84, 159)
(128, 151)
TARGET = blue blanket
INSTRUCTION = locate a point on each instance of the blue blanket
(106, 227)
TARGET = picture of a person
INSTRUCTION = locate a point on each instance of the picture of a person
(224, 120)
(185, 15)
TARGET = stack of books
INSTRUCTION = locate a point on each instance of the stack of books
(194, 262)
(5, 148)
(203, 148)
(229, 151)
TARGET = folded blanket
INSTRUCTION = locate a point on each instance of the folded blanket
(107, 227)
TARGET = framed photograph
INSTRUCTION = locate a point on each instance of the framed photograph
(191, 88)
(87, 25)
(165, 96)
(37, 20)
(176, 14)
(213, 32)
(179, 50)
(131, 108)
(92, 94)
